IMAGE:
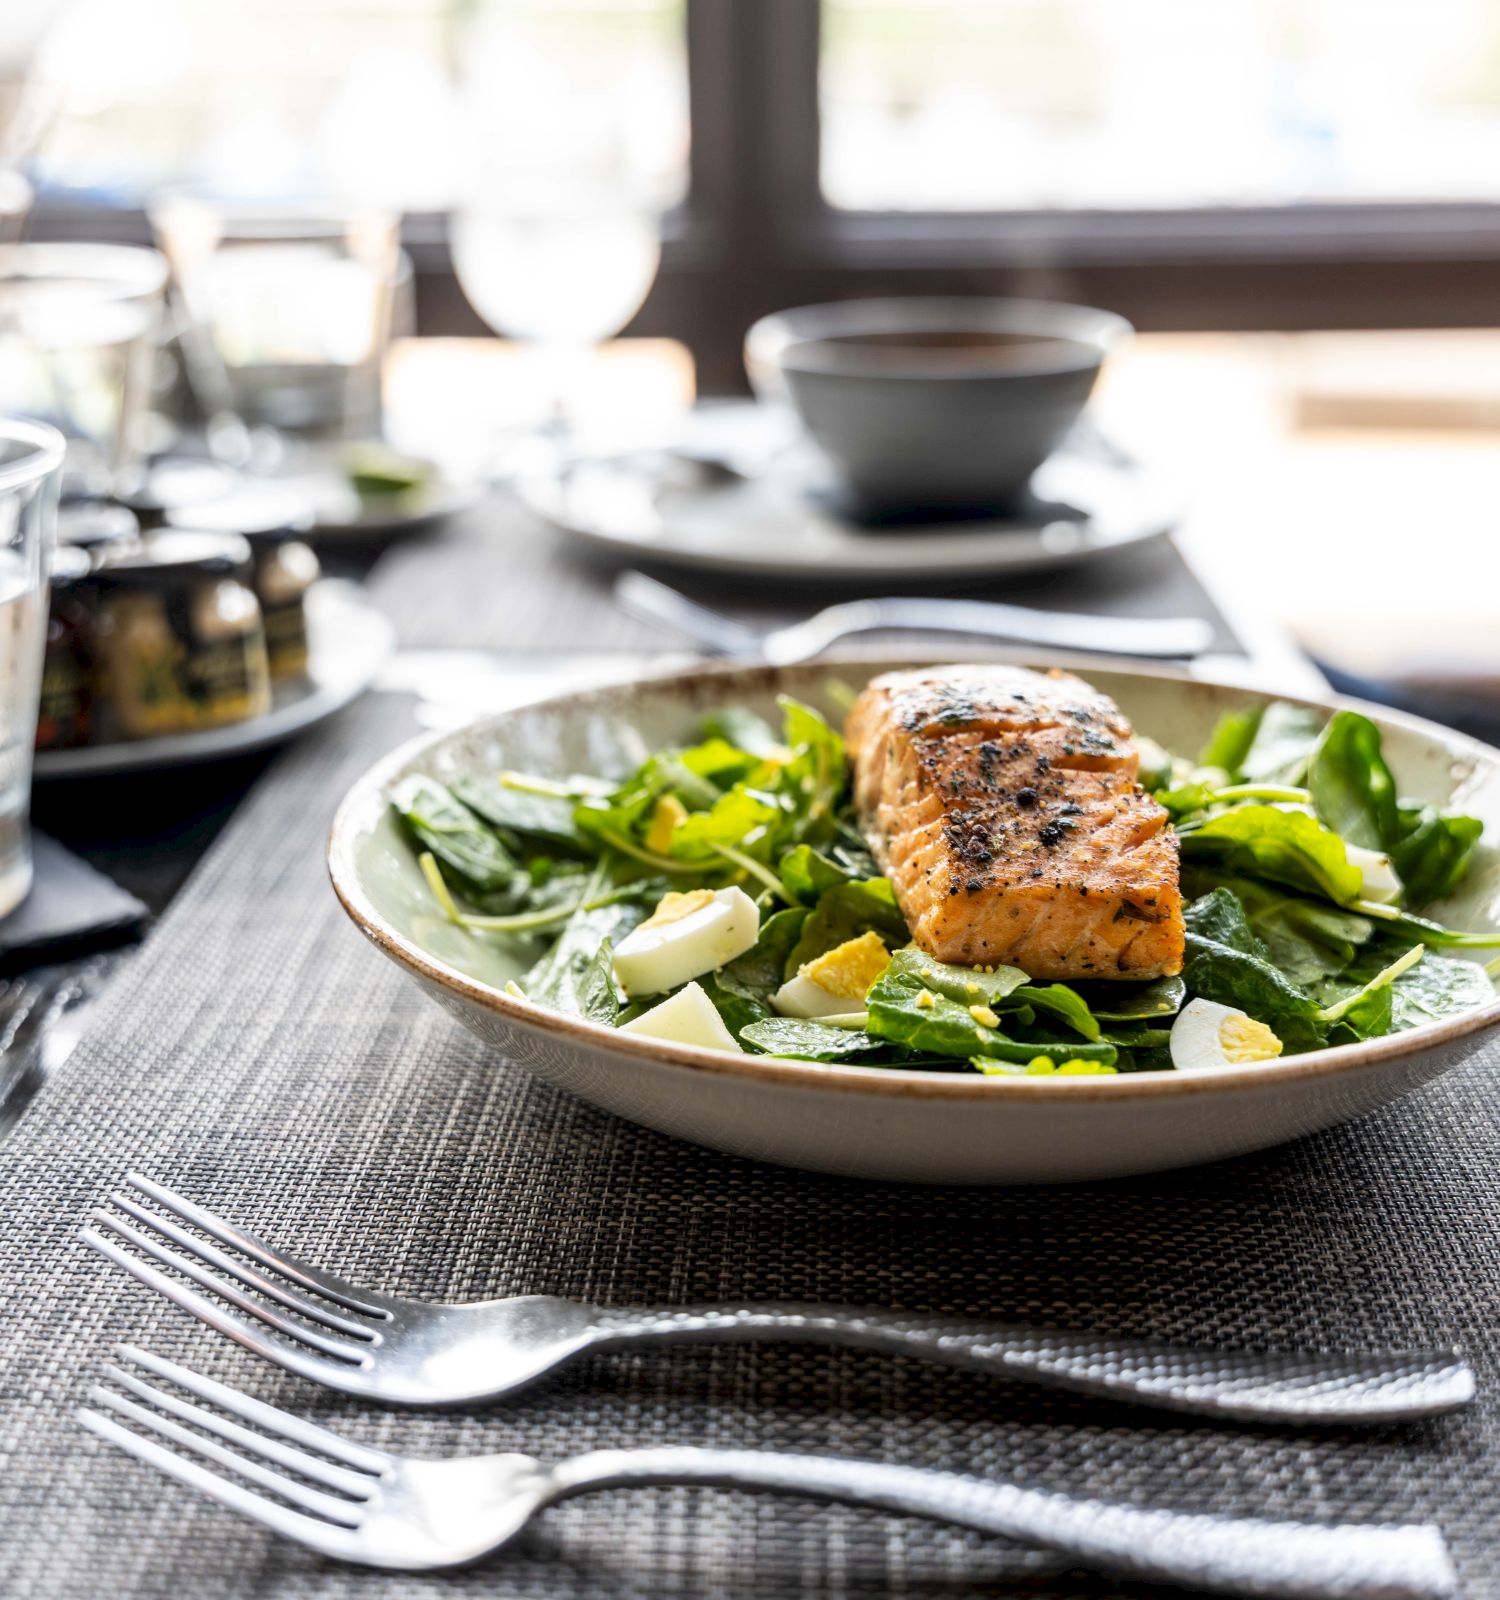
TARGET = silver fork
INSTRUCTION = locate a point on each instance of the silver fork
(412, 1352)
(413, 1514)
(1165, 637)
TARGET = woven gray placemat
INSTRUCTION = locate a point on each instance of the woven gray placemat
(260, 1056)
(263, 1058)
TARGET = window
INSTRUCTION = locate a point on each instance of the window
(1014, 105)
(1192, 163)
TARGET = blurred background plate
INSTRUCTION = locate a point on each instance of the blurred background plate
(349, 643)
(783, 519)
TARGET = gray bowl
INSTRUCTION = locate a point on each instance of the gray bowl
(934, 404)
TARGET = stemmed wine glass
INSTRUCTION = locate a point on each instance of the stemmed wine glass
(556, 241)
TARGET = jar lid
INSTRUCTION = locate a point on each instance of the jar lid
(69, 563)
(170, 557)
(262, 513)
(92, 525)
(177, 481)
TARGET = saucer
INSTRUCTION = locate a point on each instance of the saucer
(782, 517)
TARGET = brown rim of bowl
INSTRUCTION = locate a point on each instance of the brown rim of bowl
(874, 1080)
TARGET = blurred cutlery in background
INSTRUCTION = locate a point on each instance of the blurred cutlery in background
(1163, 637)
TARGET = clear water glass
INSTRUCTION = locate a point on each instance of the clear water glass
(78, 336)
(289, 315)
(31, 463)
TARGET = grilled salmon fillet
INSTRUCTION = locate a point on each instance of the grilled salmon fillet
(1003, 805)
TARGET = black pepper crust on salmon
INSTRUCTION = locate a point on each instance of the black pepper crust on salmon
(1003, 805)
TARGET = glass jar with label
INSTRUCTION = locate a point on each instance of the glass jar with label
(181, 641)
(65, 713)
(96, 527)
(276, 523)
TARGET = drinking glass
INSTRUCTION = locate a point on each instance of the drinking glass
(78, 331)
(289, 315)
(31, 460)
(577, 130)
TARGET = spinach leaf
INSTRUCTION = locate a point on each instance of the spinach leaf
(1398, 922)
(546, 817)
(1436, 987)
(1063, 1002)
(1434, 855)
(1352, 788)
(456, 837)
(577, 974)
(846, 911)
(1282, 745)
(737, 1006)
(1130, 1002)
(912, 968)
(1226, 962)
(765, 966)
(1355, 794)
(1306, 939)
(805, 1040)
(924, 1004)
(1287, 847)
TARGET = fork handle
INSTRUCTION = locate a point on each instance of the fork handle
(1222, 1554)
(1301, 1387)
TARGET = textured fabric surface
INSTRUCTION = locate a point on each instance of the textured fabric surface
(261, 1057)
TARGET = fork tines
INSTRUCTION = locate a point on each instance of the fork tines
(325, 1324)
(325, 1482)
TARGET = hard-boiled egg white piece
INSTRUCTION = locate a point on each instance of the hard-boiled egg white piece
(688, 1017)
(686, 936)
(1207, 1034)
(1381, 883)
(836, 982)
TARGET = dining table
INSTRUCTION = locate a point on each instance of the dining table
(255, 1053)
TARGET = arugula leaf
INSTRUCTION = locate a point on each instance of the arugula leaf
(846, 911)
(805, 1040)
(1130, 1002)
(1230, 742)
(745, 731)
(1088, 1060)
(732, 816)
(1433, 857)
(720, 761)
(547, 817)
(456, 837)
(1306, 939)
(1352, 787)
(1287, 847)
(816, 774)
(1228, 963)
(807, 873)
(1393, 920)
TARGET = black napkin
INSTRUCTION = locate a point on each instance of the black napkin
(70, 904)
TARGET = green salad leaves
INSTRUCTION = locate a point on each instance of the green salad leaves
(1282, 821)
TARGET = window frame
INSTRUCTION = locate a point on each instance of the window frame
(755, 233)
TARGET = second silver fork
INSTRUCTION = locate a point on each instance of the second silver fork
(410, 1352)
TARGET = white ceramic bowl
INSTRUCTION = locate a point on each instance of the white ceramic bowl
(927, 1127)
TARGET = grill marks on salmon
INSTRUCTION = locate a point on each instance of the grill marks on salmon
(1004, 806)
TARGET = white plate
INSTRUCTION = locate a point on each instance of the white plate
(782, 522)
(885, 1122)
(349, 641)
(342, 514)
